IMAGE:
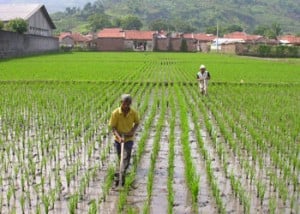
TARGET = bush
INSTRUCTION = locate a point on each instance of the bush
(264, 50)
(17, 25)
(270, 51)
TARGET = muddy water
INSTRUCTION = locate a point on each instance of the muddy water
(235, 167)
(182, 199)
(206, 202)
(159, 202)
(230, 202)
(137, 197)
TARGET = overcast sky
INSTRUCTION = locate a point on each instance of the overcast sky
(52, 5)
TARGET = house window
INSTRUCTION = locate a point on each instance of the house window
(39, 31)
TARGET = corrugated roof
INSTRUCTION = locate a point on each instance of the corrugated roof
(23, 11)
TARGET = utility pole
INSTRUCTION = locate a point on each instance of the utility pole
(217, 37)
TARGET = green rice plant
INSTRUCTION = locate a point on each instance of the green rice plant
(9, 194)
(1, 203)
(28, 196)
(22, 202)
(52, 196)
(46, 202)
(272, 205)
(93, 207)
(68, 177)
(108, 182)
(261, 189)
(72, 203)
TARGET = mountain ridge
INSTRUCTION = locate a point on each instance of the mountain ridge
(200, 14)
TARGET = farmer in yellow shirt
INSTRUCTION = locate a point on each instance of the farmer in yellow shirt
(124, 121)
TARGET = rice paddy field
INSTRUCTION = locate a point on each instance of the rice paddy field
(236, 150)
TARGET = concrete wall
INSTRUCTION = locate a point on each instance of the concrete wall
(110, 44)
(15, 44)
(173, 44)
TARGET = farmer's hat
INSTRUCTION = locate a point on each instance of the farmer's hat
(202, 66)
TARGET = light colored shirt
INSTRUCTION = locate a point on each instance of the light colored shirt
(203, 75)
(122, 123)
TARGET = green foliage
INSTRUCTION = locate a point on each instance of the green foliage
(272, 51)
(99, 21)
(198, 15)
(17, 25)
(1, 24)
(160, 24)
(264, 50)
(131, 22)
(269, 31)
(183, 26)
(233, 28)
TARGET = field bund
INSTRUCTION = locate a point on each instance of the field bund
(234, 151)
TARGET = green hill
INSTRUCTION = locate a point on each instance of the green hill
(191, 15)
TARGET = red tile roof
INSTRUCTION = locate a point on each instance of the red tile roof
(140, 35)
(199, 36)
(242, 35)
(292, 39)
(64, 35)
(77, 37)
(111, 33)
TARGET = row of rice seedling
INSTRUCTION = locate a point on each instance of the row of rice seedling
(42, 149)
(259, 152)
(156, 147)
(192, 101)
(171, 155)
(192, 178)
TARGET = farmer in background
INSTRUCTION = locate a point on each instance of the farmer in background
(203, 76)
(124, 122)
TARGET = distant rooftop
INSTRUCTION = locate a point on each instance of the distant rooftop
(23, 11)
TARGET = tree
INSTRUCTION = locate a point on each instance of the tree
(275, 27)
(131, 23)
(260, 30)
(160, 24)
(184, 27)
(233, 28)
(99, 21)
(214, 30)
(17, 25)
(271, 32)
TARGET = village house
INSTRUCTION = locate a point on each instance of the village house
(201, 42)
(139, 40)
(36, 15)
(117, 39)
(110, 39)
(290, 40)
(70, 40)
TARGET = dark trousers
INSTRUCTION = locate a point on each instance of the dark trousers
(126, 156)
